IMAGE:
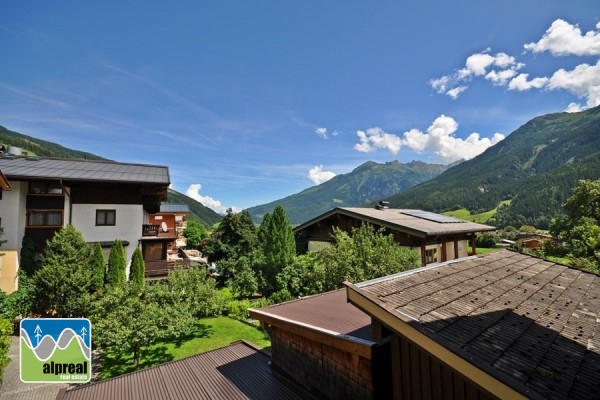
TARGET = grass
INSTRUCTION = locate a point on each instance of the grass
(484, 250)
(482, 218)
(207, 334)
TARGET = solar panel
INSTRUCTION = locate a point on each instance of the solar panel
(443, 219)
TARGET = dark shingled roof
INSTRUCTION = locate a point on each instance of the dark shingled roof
(328, 312)
(28, 168)
(238, 371)
(530, 323)
(416, 222)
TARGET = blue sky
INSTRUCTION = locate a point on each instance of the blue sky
(248, 102)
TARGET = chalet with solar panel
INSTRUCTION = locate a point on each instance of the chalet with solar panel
(436, 237)
(104, 200)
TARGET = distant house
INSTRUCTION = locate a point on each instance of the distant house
(436, 237)
(103, 200)
(531, 241)
(501, 326)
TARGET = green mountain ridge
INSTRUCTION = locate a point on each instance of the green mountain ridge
(44, 148)
(366, 183)
(536, 167)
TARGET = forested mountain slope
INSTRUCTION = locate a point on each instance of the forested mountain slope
(44, 148)
(368, 182)
(535, 167)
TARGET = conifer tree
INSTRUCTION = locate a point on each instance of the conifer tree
(115, 273)
(98, 267)
(137, 271)
(63, 285)
(277, 243)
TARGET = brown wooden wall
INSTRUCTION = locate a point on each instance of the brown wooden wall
(105, 193)
(324, 371)
(417, 374)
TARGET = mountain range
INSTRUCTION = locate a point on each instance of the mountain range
(526, 177)
(367, 183)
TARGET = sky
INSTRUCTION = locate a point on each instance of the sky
(248, 102)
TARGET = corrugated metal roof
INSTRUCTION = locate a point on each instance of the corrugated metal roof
(174, 208)
(328, 312)
(401, 219)
(526, 321)
(238, 371)
(27, 168)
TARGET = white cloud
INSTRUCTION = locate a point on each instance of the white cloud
(375, 139)
(563, 38)
(193, 191)
(498, 69)
(318, 176)
(439, 138)
(322, 132)
(454, 92)
(521, 83)
(583, 81)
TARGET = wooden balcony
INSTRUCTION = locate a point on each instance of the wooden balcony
(161, 268)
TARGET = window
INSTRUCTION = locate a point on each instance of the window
(430, 256)
(44, 218)
(106, 217)
(45, 187)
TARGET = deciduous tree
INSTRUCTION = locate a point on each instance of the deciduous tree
(124, 319)
(194, 234)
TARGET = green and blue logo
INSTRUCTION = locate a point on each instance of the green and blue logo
(56, 350)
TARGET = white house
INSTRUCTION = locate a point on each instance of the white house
(104, 200)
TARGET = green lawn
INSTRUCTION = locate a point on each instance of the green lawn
(207, 334)
(466, 215)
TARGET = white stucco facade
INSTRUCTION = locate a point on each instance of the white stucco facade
(128, 224)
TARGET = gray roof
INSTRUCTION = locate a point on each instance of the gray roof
(174, 208)
(32, 168)
(531, 323)
(237, 371)
(414, 221)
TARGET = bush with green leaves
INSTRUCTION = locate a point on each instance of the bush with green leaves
(6, 329)
(486, 240)
(125, 319)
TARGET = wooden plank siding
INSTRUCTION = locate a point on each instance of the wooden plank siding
(417, 374)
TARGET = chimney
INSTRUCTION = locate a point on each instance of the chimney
(383, 205)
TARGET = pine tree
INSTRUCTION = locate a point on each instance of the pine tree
(99, 267)
(277, 243)
(137, 272)
(115, 273)
(63, 285)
